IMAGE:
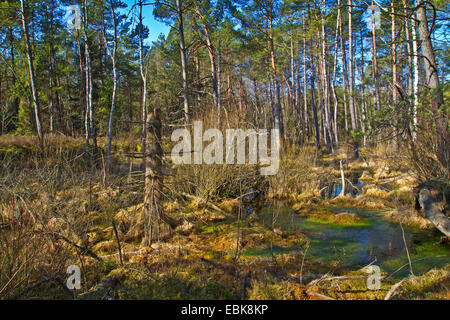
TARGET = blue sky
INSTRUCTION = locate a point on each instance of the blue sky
(155, 27)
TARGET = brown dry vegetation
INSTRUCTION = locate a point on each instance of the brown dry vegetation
(55, 212)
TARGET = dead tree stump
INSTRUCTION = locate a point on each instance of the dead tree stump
(154, 180)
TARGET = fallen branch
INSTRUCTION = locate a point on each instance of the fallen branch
(86, 250)
(393, 289)
(440, 221)
(318, 295)
(37, 284)
(325, 278)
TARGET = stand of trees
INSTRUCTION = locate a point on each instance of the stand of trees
(320, 71)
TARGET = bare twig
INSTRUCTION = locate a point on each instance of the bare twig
(393, 289)
(118, 242)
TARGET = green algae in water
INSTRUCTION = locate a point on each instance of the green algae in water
(424, 255)
(354, 246)
(364, 222)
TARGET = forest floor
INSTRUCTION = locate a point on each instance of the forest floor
(240, 238)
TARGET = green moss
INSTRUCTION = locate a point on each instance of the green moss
(267, 291)
(432, 285)
(210, 229)
(340, 221)
(174, 284)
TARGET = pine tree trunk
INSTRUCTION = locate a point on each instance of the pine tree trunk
(89, 87)
(34, 93)
(432, 80)
(212, 59)
(416, 78)
(351, 74)
(363, 86)
(183, 54)
(394, 75)
(277, 115)
(326, 85)
(305, 84)
(409, 50)
(219, 86)
(113, 98)
(143, 74)
(333, 82)
(313, 100)
(344, 77)
(375, 65)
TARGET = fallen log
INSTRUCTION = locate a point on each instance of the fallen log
(440, 221)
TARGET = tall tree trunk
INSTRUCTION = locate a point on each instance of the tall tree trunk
(113, 98)
(51, 58)
(326, 85)
(351, 74)
(277, 114)
(409, 50)
(432, 80)
(375, 65)
(292, 82)
(83, 94)
(15, 110)
(305, 84)
(363, 93)
(313, 100)
(212, 58)
(416, 78)
(333, 82)
(219, 86)
(89, 86)
(34, 93)
(198, 86)
(143, 73)
(298, 102)
(394, 75)
(183, 54)
(344, 77)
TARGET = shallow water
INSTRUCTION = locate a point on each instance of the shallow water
(357, 246)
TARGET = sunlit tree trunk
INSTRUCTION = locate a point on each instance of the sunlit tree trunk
(344, 77)
(333, 82)
(34, 93)
(416, 79)
(219, 74)
(183, 54)
(212, 58)
(305, 84)
(143, 74)
(326, 85)
(89, 86)
(375, 65)
(113, 98)
(351, 79)
(313, 100)
(394, 73)
(409, 50)
(363, 86)
(432, 80)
